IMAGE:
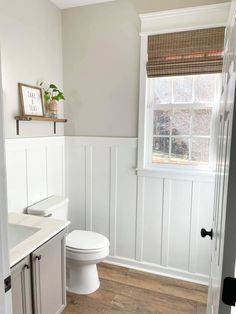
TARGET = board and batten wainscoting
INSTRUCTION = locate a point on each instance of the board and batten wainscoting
(152, 219)
(35, 170)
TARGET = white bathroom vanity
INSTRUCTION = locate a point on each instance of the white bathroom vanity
(38, 264)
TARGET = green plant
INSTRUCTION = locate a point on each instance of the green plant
(52, 93)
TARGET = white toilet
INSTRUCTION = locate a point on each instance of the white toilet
(84, 249)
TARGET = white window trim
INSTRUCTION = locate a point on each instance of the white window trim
(167, 22)
(149, 136)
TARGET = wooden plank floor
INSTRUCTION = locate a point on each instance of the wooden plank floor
(125, 290)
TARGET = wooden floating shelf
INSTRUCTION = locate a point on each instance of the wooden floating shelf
(35, 118)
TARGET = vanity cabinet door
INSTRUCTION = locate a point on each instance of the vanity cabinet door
(21, 287)
(48, 266)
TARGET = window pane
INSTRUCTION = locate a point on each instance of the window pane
(182, 112)
(163, 91)
(180, 149)
(161, 122)
(182, 89)
(202, 121)
(200, 150)
(204, 88)
(181, 122)
(160, 149)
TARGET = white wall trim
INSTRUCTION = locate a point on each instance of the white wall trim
(113, 198)
(165, 22)
(139, 220)
(214, 15)
(88, 187)
(64, 4)
(197, 175)
(5, 298)
(158, 270)
(142, 124)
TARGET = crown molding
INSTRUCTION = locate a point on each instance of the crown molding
(215, 15)
(65, 4)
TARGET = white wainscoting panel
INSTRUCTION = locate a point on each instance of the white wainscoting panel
(202, 217)
(102, 183)
(36, 167)
(176, 209)
(76, 185)
(176, 223)
(153, 220)
(100, 189)
(35, 170)
(126, 199)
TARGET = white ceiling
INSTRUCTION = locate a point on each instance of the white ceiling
(63, 4)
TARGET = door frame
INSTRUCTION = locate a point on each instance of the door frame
(229, 253)
(5, 298)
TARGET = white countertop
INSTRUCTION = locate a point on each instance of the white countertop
(48, 228)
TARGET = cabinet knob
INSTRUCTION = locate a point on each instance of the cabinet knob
(26, 266)
(38, 257)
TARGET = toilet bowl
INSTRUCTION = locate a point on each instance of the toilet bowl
(84, 249)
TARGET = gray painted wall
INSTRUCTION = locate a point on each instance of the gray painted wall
(101, 50)
(31, 47)
(101, 72)
(101, 62)
(147, 6)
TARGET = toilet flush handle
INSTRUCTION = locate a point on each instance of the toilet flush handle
(48, 215)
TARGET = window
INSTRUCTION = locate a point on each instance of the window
(181, 96)
(181, 112)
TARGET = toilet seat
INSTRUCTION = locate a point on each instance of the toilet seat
(87, 257)
(73, 250)
(86, 241)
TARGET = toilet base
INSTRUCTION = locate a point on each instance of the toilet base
(82, 278)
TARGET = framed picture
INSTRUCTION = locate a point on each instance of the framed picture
(31, 100)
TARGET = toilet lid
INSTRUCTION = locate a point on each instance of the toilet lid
(86, 240)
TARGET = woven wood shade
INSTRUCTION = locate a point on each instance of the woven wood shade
(186, 53)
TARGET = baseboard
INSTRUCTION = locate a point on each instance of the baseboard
(158, 270)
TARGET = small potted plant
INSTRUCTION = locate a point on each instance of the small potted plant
(51, 97)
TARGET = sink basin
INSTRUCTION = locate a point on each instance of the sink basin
(17, 234)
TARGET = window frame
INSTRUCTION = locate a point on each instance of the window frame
(161, 23)
(149, 131)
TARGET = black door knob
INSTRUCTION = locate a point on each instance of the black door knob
(205, 233)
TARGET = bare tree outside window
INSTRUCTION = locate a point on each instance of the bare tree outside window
(182, 113)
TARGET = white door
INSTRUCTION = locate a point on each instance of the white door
(225, 188)
(5, 297)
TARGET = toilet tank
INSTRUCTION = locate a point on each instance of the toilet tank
(54, 207)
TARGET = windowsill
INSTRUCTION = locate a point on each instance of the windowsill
(177, 172)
